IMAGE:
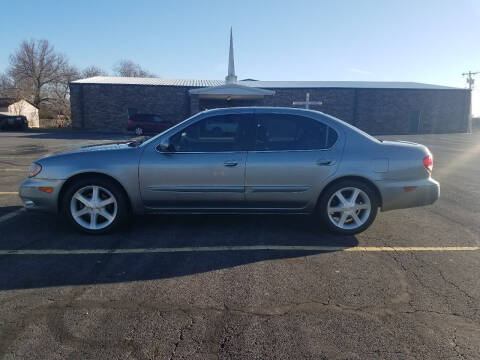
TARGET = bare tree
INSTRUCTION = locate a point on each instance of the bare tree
(59, 92)
(91, 71)
(7, 88)
(34, 67)
(128, 68)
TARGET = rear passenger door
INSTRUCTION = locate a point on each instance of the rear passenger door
(292, 155)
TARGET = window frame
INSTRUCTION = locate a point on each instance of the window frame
(328, 127)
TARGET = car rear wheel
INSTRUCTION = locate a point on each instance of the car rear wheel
(95, 206)
(348, 207)
(138, 131)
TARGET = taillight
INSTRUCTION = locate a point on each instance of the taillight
(428, 163)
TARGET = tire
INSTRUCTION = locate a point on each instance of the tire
(138, 131)
(356, 215)
(107, 218)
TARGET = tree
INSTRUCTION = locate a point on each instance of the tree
(91, 71)
(128, 68)
(34, 67)
(59, 92)
(7, 88)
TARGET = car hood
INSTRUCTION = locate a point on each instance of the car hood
(90, 149)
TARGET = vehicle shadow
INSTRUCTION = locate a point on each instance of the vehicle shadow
(44, 232)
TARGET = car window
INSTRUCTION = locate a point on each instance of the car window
(214, 134)
(292, 132)
(157, 119)
(332, 137)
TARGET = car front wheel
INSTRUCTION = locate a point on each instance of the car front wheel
(95, 206)
(348, 207)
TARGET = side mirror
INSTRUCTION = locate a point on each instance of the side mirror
(164, 145)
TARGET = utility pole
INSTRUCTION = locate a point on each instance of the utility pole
(470, 79)
(470, 82)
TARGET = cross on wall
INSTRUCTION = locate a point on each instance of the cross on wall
(307, 102)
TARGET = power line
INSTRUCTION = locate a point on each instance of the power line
(470, 79)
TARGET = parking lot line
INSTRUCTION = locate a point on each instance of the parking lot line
(23, 170)
(234, 248)
(8, 192)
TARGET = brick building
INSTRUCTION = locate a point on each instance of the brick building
(376, 107)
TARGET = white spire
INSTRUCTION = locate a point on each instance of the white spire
(231, 77)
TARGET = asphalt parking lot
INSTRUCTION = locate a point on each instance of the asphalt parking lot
(243, 287)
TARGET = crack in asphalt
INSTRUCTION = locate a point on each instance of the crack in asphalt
(455, 345)
(429, 287)
(181, 335)
(54, 313)
(55, 319)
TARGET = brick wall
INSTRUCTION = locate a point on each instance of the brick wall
(377, 111)
(388, 111)
(401, 111)
(336, 102)
(105, 107)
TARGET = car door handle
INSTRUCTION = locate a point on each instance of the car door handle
(325, 162)
(230, 163)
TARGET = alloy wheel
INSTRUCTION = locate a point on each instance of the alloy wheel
(138, 131)
(93, 207)
(349, 208)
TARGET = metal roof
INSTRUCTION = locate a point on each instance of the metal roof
(232, 89)
(148, 81)
(343, 84)
(259, 84)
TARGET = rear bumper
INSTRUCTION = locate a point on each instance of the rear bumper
(35, 199)
(401, 194)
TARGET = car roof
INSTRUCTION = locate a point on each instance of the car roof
(251, 109)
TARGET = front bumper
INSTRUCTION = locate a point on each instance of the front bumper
(401, 194)
(35, 199)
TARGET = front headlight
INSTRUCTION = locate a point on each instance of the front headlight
(34, 170)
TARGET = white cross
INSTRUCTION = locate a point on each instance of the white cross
(307, 102)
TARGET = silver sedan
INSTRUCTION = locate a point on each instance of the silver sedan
(237, 160)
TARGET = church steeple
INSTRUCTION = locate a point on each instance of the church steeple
(231, 77)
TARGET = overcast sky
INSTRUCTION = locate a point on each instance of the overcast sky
(430, 41)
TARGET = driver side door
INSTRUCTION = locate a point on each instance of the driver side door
(204, 169)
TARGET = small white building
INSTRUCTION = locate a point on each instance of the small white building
(30, 111)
